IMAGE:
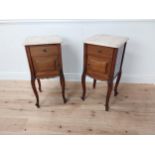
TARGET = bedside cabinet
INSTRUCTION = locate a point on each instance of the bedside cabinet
(45, 61)
(103, 59)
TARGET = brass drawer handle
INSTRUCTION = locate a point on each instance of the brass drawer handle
(45, 50)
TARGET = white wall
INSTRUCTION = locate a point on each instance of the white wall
(139, 63)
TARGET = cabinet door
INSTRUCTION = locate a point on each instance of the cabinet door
(98, 68)
(45, 60)
(46, 66)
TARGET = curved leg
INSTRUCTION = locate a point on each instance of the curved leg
(39, 83)
(62, 82)
(83, 80)
(117, 83)
(110, 86)
(35, 92)
(94, 83)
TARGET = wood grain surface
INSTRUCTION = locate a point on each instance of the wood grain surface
(131, 112)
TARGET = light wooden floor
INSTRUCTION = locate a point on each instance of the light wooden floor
(131, 112)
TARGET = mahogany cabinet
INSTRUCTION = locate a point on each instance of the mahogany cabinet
(103, 59)
(45, 61)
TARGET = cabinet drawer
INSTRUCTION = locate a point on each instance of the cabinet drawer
(46, 66)
(98, 68)
(44, 50)
(100, 51)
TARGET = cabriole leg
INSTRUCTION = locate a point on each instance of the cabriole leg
(62, 82)
(94, 83)
(35, 92)
(83, 82)
(39, 83)
(110, 86)
(117, 83)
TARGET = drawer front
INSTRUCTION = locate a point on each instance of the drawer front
(98, 68)
(46, 66)
(44, 50)
(100, 51)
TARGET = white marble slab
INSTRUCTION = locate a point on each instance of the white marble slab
(38, 40)
(106, 40)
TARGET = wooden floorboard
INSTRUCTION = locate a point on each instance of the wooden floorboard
(131, 112)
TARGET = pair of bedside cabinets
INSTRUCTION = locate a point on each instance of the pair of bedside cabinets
(103, 59)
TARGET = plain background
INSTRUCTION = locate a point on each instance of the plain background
(139, 58)
(81, 9)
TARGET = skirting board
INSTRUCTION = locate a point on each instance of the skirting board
(77, 77)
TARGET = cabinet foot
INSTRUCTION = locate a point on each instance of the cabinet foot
(107, 108)
(83, 98)
(94, 83)
(35, 91)
(110, 86)
(62, 82)
(37, 105)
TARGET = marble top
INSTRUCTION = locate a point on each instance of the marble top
(106, 40)
(37, 40)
